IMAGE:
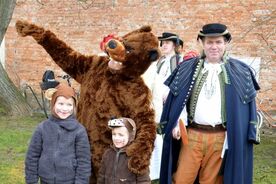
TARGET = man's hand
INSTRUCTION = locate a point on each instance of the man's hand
(176, 132)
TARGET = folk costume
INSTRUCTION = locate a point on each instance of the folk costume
(237, 86)
(155, 77)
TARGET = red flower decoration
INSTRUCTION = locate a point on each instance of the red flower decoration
(106, 39)
(190, 55)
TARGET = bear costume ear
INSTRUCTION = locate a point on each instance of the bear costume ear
(145, 29)
(153, 55)
(49, 93)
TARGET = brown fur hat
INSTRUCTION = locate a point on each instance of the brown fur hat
(60, 90)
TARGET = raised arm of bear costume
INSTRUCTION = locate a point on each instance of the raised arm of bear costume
(110, 86)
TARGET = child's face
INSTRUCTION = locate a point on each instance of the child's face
(64, 107)
(120, 136)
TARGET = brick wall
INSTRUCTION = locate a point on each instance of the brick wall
(83, 23)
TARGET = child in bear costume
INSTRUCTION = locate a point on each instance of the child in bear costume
(111, 86)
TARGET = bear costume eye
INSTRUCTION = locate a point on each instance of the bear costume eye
(128, 49)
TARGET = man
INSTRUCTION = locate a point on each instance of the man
(219, 93)
(155, 76)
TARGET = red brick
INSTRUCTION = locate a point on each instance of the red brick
(83, 29)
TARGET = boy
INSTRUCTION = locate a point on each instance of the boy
(114, 166)
(59, 151)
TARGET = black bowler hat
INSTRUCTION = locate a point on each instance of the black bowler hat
(214, 29)
(170, 36)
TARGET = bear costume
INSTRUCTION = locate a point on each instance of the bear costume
(111, 86)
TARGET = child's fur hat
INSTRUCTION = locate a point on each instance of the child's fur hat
(60, 90)
(124, 122)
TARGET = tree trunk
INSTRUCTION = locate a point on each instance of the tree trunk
(6, 11)
(10, 98)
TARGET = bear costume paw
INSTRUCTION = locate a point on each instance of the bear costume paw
(138, 160)
(26, 29)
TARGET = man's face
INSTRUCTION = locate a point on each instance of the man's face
(214, 48)
(167, 47)
(120, 136)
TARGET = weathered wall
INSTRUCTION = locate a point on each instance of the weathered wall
(83, 23)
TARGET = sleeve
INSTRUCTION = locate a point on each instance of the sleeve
(254, 124)
(184, 116)
(151, 80)
(32, 157)
(157, 98)
(101, 174)
(150, 75)
(83, 170)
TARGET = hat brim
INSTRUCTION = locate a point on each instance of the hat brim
(47, 85)
(171, 38)
(226, 34)
(167, 38)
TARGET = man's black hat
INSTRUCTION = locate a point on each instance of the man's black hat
(170, 36)
(48, 80)
(214, 29)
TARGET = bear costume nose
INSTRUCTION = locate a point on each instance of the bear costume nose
(112, 44)
(116, 50)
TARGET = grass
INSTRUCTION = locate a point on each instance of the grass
(265, 160)
(15, 134)
(14, 137)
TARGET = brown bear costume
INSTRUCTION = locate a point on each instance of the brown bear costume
(110, 86)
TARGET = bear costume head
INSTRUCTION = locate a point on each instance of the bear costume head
(127, 52)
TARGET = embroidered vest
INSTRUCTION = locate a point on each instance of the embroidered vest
(174, 61)
(200, 79)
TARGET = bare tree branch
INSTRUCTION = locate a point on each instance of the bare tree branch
(265, 40)
(40, 2)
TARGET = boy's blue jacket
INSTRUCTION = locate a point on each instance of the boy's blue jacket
(242, 131)
(59, 152)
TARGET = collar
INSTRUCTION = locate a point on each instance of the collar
(236, 74)
(69, 123)
(170, 55)
(121, 150)
(166, 57)
(184, 76)
(210, 67)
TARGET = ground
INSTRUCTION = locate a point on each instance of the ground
(15, 134)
